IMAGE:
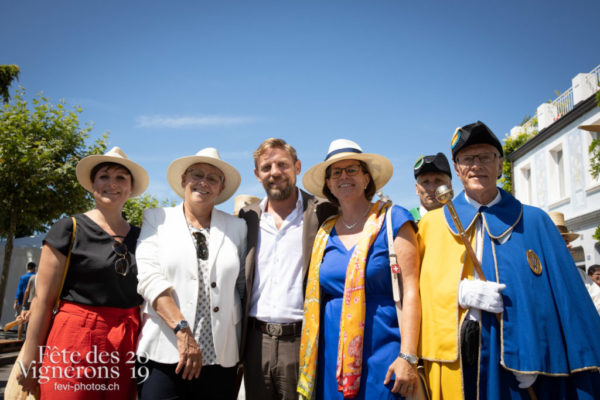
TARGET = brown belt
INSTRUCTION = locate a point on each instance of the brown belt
(278, 330)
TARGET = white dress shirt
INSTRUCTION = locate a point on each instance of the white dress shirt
(474, 313)
(277, 294)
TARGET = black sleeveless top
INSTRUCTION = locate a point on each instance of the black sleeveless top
(91, 278)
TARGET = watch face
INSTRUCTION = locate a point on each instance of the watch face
(410, 358)
(181, 325)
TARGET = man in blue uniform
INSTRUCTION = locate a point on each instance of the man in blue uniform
(519, 331)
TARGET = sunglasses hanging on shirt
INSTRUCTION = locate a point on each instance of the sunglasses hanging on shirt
(122, 263)
(201, 245)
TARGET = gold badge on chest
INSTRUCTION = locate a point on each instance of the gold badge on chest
(534, 262)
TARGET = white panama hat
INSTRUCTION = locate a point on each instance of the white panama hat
(380, 168)
(591, 128)
(117, 156)
(210, 156)
(243, 200)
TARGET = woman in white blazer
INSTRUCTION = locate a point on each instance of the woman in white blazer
(190, 274)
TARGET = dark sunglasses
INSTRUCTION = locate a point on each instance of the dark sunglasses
(201, 246)
(122, 263)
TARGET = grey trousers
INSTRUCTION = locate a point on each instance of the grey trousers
(271, 366)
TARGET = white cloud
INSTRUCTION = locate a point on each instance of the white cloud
(198, 121)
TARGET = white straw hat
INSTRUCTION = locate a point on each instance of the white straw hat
(559, 220)
(209, 155)
(117, 156)
(592, 128)
(243, 200)
(380, 167)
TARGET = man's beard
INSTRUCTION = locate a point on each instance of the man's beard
(279, 194)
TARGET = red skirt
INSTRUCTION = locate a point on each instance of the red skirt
(90, 353)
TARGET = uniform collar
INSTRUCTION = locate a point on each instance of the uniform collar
(499, 218)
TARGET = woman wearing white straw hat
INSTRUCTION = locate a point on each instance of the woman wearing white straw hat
(350, 346)
(191, 277)
(94, 333)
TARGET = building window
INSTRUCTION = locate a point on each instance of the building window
(526, 190)
(557, 186)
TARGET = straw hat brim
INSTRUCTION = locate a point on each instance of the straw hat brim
(380, 169)
(570, 236)
(178, 167)
(591, 128)
(85, 166)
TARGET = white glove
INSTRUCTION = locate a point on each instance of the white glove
(484, 295)
(525, 380)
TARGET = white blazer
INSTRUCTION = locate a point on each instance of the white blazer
(166, 258)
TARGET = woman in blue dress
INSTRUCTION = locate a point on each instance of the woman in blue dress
(361, 355)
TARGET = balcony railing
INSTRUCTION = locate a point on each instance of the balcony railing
(563, 104)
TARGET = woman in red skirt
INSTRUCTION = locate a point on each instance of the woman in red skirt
(90, 348)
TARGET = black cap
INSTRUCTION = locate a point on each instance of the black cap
(474, 133)
(436, 163)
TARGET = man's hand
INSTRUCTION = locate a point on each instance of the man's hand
(24, 316)
(484, 295)
(525, 380)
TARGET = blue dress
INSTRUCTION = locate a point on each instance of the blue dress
(381, 336)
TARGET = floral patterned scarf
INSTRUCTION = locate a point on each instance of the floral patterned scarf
(352, 322)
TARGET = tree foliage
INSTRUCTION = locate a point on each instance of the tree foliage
(8, 73)
(594, 151)
(133, 209)
(39, 149)
(511, 144)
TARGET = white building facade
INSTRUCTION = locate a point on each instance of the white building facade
(552, 169)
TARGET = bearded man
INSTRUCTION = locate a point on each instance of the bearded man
(281, 232)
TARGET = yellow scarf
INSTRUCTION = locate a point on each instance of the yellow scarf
(349, 361)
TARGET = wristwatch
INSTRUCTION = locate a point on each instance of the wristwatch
(412, 360)
(180, 325)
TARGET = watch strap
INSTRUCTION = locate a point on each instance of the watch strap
(180, 325)
(412, 359)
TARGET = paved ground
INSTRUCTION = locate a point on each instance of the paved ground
(6, 368)
(4, 372)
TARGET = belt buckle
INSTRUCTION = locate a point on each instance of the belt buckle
(274, 329)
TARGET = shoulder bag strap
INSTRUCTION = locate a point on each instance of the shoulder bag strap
(64, 277)
(394, 267)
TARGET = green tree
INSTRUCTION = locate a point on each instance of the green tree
(511, 144)
(8, 73)
(133, 210)
(39, 149)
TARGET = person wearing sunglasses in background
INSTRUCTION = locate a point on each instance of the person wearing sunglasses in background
(191, 277)
(95, 330)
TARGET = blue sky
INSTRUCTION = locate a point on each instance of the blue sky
(168, 78)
